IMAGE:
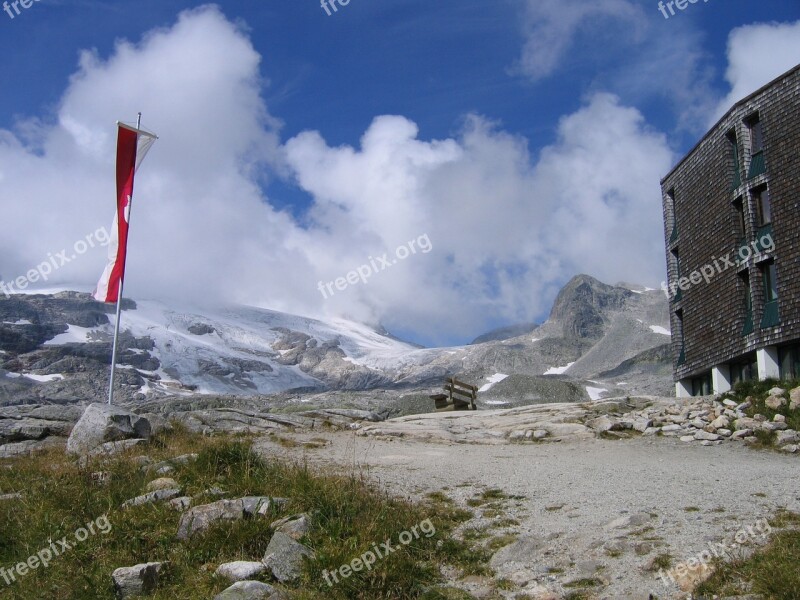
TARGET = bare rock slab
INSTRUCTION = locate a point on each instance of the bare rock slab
(101, 423)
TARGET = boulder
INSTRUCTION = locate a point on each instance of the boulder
(794, 399)
(139, 580)
(152, 497)
(101, 423)
(284, 557)
(705, 436)
(202, 517)
(785, 438)
(247, 590)
(162, 483)
(240, 570)
(775, 402)
(295, 526)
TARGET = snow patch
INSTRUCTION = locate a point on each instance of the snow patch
(595, 393)
(496, 378)
(73, 335)
(659, 329)
(39, 378)
(495, 402)
(558, 370)
(20, 322)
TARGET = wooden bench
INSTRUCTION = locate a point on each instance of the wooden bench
(459, 396)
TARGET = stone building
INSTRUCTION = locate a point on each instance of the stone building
(732, 229)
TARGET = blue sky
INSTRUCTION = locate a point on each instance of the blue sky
(525, 138)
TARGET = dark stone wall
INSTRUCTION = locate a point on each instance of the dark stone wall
(707, 224)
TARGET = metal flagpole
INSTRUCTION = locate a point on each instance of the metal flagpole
(119, 297)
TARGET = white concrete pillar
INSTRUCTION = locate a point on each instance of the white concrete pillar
(683, 388)
(721, 379)
(768, 365)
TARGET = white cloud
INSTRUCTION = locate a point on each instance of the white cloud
(553, 26)
(507, 228)
(757, 54)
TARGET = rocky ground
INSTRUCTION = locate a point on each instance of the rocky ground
(569, 496)
(582, 499)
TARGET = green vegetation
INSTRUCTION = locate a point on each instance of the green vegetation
(59, 496)
(757, 392)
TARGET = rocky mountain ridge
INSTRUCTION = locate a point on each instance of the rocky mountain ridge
(599, 340)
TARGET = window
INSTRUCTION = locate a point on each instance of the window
(676, 259)
(771, 317)
(679, 322)
(734, 145)
(757, 161)
(701, 386)
(756, 135)
(763, 206)
(744, 369)
(748, 303)
(789, 358)
(770, 282)
(671, 214)
(741, 221)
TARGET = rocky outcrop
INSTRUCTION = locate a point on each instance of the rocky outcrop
(581, 305)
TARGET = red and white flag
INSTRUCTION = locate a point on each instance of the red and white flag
(132, 146)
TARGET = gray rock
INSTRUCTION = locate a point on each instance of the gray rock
(284, 557)
(525, 551)
(794, 399)
(746, 423)
(102, 423)
(540, 434)
(721, 422)
(741, 433)
(181, 504)
(152, 497)
(200, 518)
(240, 570)
(779, 426)
(635, 520)
(601, 424)
(776, 391)
(247, 590)
(671, 428)
(791, 448)
(162, 483)
(787, 437)
(113, 448)
(139, 580)
(295, 526)
(705, 436)
(775, 402)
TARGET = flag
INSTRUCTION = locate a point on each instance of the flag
(132, 146)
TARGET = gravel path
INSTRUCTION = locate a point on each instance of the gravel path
(590, 509)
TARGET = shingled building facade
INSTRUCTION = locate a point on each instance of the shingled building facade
(732, 230)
